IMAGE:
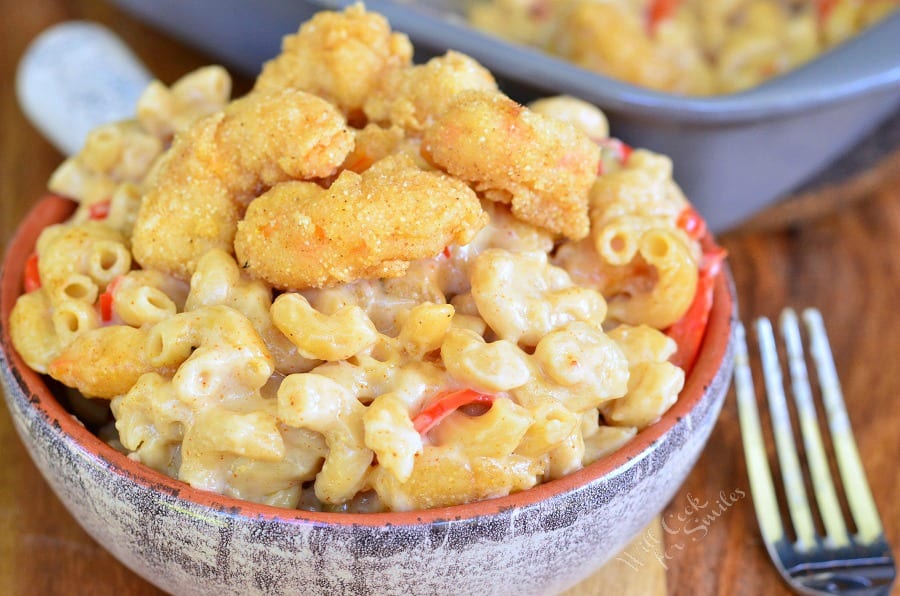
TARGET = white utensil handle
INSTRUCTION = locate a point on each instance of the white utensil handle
(74, 77)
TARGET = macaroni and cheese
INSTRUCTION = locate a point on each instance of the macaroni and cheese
(692, 47)
(366, 285)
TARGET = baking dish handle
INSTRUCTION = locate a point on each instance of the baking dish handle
(74, 77)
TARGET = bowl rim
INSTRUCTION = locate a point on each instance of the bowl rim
(52, 209)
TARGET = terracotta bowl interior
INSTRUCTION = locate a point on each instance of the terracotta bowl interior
(51, 210)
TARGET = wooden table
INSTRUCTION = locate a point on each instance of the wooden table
(845, 262)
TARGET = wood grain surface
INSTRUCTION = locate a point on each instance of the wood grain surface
(843, 258)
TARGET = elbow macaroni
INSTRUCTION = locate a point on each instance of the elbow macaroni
(76, 261)
(317, 403)
(497, 364)
(164, 111)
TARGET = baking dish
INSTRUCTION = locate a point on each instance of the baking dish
(734, 154)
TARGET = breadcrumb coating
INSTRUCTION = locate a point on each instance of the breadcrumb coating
(367, 225)
(414, 97)
(340, 56)
(542, 166)
(199, 190)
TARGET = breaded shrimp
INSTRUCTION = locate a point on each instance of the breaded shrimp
(542, 166)
(299, 235)
(413, 97)
(199, 190)
(340, 56)
(104, 362)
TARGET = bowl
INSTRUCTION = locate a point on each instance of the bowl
(734, 154)
(189, 541)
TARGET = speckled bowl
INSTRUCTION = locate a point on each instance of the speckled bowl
(189, 541)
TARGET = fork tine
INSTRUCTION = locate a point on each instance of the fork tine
(856, 487)
(764, 501)
(823, 486)
(786, 449)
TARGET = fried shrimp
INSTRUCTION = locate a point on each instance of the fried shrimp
(542, 166)
(200, 188)
(368, 225)
(340, 56)
(413, 97)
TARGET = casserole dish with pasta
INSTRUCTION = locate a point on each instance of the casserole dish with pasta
(694, 47)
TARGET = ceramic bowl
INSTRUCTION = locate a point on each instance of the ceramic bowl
(189, 541)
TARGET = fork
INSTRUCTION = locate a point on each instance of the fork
(837, 562)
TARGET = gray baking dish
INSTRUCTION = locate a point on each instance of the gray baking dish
(733, 154)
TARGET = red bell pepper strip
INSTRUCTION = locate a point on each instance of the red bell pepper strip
(625, 153)
(445, 404)
(98, 210)
(660, 10)
(621, 149)
(692, 223)
(32, 277)
(105, 300)
(539, 11)
(824, 9)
